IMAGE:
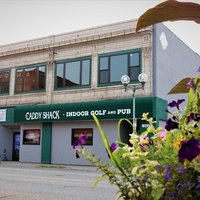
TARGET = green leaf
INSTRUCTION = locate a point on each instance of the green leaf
(99, 179)
(103, 136)
(193, 104)
(106, 143)
(169, 10)
(157, 193)
(107, 146)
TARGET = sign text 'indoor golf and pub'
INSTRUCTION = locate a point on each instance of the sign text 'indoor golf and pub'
(60, 115)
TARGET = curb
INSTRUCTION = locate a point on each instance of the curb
(16, 164)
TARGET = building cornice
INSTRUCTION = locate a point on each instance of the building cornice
(77, 37)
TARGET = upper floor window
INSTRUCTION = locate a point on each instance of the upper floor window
(113, 66)
(4, 81)
(73, 73)
(30, 79)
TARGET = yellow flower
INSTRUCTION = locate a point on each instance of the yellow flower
(144, 116)
(177, 143)
(124, 155)
(150, 129)
(134, 138)
(186, 163)
(150, 120)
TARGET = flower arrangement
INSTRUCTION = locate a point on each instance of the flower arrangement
(160, 163)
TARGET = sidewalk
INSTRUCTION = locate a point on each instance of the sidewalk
(17, 164)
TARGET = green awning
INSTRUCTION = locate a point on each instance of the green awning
(104, 109)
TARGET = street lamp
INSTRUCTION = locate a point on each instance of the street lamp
(125, 81)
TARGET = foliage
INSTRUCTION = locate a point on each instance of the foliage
(169, 10)
(159, 163)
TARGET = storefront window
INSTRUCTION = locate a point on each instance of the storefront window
(4, 82)
(77, 133)
(30, 79)
(113, 66)
(31, 136)
(73, 73)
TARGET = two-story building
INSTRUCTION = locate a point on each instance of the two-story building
(50, 86)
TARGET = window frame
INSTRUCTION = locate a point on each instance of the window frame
(129, 67)
(64, 62)
(34, 132)
(24, 68)
(90, 140)
(3, 71)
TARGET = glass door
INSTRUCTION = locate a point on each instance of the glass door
(16, 146)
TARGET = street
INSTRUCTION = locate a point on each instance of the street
(51, 184)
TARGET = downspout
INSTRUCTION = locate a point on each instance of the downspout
(50, 71)
(154, 71)
(154, 63)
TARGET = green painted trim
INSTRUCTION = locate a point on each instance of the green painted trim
(120, 52)
(159, 107)
(104, 109)
(113, 54)
(26, 67)
(159, 114)
(46, 143)
(33, 65)
(72, 60)
(72, 88)
(115, 83)
(9, 70)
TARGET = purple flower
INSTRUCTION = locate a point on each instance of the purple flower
(171, 196)
(181, 170)
(168, 174)
(144, 179)
(171, 125)
(189, 150)
(191, 84)
(176, 103)
(193, 116)
(159, 168)
(113, 147)
(197, 186)
(183, 185)
(81, 140)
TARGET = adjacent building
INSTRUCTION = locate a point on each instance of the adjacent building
(50, 86)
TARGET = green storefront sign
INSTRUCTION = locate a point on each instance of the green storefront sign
(105, 109)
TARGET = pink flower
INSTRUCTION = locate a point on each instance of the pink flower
(162, 134)
(144, 139)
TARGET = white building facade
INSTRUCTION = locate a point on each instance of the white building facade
(49, 87)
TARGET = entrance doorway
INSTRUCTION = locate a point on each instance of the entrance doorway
(125, 129)
(16, 146)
